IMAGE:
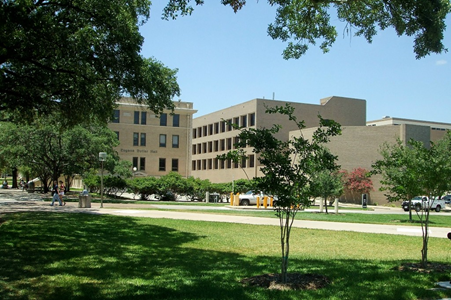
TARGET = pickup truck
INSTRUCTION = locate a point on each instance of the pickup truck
(423, 202)
(250, 198)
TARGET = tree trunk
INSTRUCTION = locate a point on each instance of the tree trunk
(425, 228)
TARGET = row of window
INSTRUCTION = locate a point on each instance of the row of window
(217, 164)
(140, 164)
(224, 126)
(215, 146)
(139, 139)
(140, 117)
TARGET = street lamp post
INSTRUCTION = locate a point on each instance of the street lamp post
(134, 171)
(102, 158)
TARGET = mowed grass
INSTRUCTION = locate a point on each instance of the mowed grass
(87, 256)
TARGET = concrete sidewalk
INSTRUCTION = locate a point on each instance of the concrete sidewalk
(18, 201)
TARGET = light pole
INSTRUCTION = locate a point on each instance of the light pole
(134, 171)
(102, 158)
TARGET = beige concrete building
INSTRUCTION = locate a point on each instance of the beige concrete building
(212, 135)
(154, 144)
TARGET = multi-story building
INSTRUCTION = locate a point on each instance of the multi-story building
(213, 133)
(154, 144)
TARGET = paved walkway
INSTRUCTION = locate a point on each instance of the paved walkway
(16, 201)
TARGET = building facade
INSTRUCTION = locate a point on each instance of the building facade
(154, 144)
(213, 135)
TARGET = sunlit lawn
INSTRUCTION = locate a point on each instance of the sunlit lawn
(86, 256)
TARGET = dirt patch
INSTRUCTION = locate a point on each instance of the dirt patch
(429, 268)
(295, 281)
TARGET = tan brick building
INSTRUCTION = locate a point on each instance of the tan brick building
(154, 144)
(212, 136)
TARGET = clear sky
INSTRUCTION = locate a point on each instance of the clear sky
(225, 58)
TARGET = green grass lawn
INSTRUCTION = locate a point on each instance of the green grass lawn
(86, 256)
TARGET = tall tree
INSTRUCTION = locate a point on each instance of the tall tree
(307, 22)
(288, 168)
(77, 58)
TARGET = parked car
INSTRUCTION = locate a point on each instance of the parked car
(423, 202)
(447, 199)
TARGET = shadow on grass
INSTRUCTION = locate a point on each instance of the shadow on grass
(77, 256)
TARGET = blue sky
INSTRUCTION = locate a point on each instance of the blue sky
(225, 58)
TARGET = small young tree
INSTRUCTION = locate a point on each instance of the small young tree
(327, 185)
(288, 168)
(416, 170)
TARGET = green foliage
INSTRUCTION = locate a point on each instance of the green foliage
(327, 185)
(76, 59)
(145, 186)
(305, 23)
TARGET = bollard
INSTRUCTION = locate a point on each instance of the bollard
(336, 206)
(258, 202)
(271, 202)
(237, 199)
(321, 206)
(265, 202)
(207, 197)
(231, 199)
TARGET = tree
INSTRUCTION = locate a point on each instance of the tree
(288, 168)
(358, 181)
(400, 172)
(304, 23)
(420, 170)
(77, 58)
(327, 185)
(50, 151)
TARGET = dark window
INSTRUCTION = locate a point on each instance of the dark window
(229, 125)
(193, 165)
(222, 145)
(117, 134)
(216, 143)
(204, 164)
(194, 149)
(162, 164)
(175, 164)
(176, 120)
(162, 140)
(243, 162)
(243, 121)
(164, 120)
(136, 118)
(194, 133)
(135, 139)
(135, 162)
(229, 164)
(252, 119)
(210, 129)
(116, 116)
(222, 164)
(210, 163)
(236, 121)
(251, 161)
(143, 139)
(216, 128)
(143, 118)
(175, 141)
(229, 143)
(199, 167)
(216, 163)
(223, 126)
(142, 163)
(210, 146)
(199, 131)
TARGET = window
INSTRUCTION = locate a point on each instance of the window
(252, 119)
(143, 139)
(251, 161)
(243, 162)
(194, 149)
(136, 118)
(222, 145)
(175, 141)
(193, 165)
(199, 148)
(199, 131)
(229, 143)
(142, 163)
(216, 143)
(116, 116)
(176, 120)
(210, 129)
(210, 146)
(117, 134)
(216, 162)
(194, 133)
(204, 164)
(236, 121)
(229, 125)
(143, 118)
(236, 165)
(204, 147)
(210, 164)
(229, 164)
(135, 162)
(175, 164)
(222, 164)
(199, 167)
(164, 119)
(216, 128)
(223, 126)
(162, 140)
(162, 164)
(135, 138)
(243, 121)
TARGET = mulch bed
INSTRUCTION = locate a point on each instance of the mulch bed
(295, 281)
(417, 267)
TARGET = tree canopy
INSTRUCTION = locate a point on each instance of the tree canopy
(77, 58)
(308, 22)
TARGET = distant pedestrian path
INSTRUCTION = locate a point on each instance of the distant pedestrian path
(19, 201)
